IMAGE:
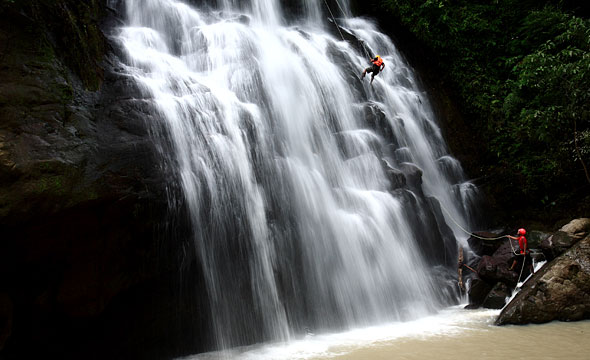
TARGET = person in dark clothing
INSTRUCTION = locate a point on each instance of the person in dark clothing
(377, 66)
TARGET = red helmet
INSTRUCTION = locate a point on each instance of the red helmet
(521, 231)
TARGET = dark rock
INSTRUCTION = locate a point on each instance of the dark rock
(496, 298)
(478, 290)
(377, 120)
(556, 244)
(471, 307)
(447, 291)
(243, 19)
(413, 175)
(6, 314)
(559, 291)
(449, 242)
(472, 261)
(435, 239)
(483, 247)
(396, 178)
(496, 267)
(535, 238)
(88, 250)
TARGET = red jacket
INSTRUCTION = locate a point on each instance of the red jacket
(523, 244)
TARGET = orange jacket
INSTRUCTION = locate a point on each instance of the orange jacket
(377, 62)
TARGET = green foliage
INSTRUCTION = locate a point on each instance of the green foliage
(550, 91)
(522, 72)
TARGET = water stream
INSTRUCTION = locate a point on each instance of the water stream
(315, 198)
(453, 333)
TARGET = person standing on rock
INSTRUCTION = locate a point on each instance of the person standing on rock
(524, 250)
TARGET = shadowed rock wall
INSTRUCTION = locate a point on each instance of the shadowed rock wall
(89, 255)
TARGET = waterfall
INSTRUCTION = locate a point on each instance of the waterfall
(315, 198)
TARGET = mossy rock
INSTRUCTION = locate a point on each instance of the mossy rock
(69, 28)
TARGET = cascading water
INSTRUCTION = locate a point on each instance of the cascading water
(314, 196)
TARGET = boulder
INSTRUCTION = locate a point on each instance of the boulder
(413, 175)
(496, 298)
(556, 244)
(377, 119)
(496, 267)
(436, 240)
(535, 238)
(397, 179)
(484, 247)
(395, 176)
(577, 229)
(559, 291)
(478, 291)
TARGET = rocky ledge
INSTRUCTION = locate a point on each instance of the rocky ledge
(560, 291)
(490, 279)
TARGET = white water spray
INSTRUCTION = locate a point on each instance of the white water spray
(308, 188)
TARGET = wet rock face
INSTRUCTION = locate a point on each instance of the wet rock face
(556, 244)
(478, 291)
(86, 261)
(496, 298)
(483, 247)
(493, 269)
(560, 291)
(496, 267)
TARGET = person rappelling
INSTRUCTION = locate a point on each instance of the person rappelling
(377, 66)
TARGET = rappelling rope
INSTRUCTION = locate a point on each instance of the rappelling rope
(477, 236)
(466, 231)
(484, 238)
(334, 19)
(338, 27)
(521, 269)
(365, 48)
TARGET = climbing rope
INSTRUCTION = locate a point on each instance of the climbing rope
(362, 42)
(334, 19)
(466, 231)
(365, 48)
(521, 269)
(477, 236)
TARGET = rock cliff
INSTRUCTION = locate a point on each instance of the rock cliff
(559, 291)
(88, 256)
